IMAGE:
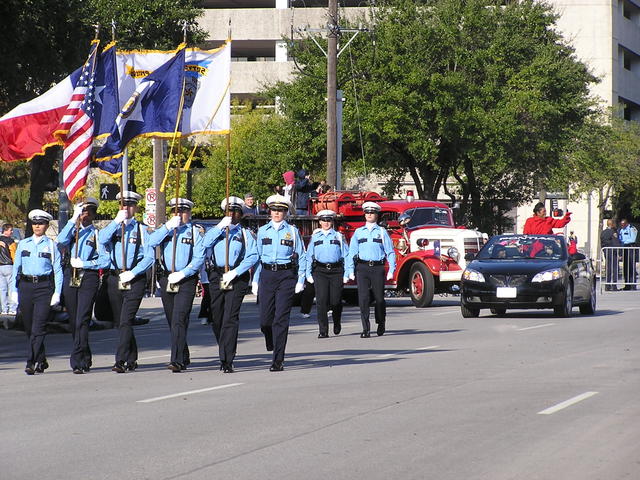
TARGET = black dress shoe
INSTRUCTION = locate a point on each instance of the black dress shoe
(380, 331)
(78, 371)
(365, 334)
(337, 328)
(227, 368)
(132, 366)
(175, 367)
(42, 366)
(86, 369)
(276, 367)
(29, 370)
(118, 367)
(323, 335)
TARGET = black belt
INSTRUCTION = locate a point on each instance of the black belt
(35, 278)
(328, 266)
(371, 263)
(274, 267)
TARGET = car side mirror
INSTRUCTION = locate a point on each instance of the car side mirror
(469, 257)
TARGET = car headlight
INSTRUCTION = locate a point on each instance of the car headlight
(473, 276)
(548, 275)
(453, 253)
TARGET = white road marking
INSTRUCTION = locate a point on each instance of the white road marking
(191, 392)
(567, 403)
(442, 313)
(536, 326)
(431, 347)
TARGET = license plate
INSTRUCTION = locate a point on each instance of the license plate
(506, 292)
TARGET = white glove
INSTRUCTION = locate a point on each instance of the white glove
(77, 211)
(175, 277)
(389, 275)
(254, 288)
(55, 299)
(121, 216)
(14, 298)
(77, 263)
(352, 276)
(126, 277)
(345, 279)
(172, 223)
(224, 223)
(310, 279)
(299, 287)
(229, 276)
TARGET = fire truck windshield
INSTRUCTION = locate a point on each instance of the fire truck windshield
(421, 217)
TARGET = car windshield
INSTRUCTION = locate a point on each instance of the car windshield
(521, 247)
(429, 216)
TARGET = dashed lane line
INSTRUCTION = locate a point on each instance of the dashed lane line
(190, 392)
(536, 326)
(567, 403)
(387, 355)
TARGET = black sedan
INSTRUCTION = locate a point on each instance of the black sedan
(527, 271)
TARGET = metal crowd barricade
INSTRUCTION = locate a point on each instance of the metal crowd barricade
(619, 268)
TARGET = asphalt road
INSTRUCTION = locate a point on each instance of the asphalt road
(526, 396)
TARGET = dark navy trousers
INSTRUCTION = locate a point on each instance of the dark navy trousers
(329, 288)
(79, 302)
(124, 305)
(177, 308)
(34, 302)
(371, 278)
(275, 298)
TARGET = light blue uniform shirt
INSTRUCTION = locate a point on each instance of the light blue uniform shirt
(109, 237)
(189, 252)
(372, 245)
(627, 235)
(243, 253)
(280, 246)
(38, 259)
(327, 246)
(90, 251)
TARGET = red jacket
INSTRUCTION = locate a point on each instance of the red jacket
(544, 226)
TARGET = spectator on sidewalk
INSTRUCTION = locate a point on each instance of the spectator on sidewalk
(628, 235)
(7, 253)
(250, 207)
(609, 241)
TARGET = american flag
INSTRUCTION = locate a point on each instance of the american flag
(76, 128)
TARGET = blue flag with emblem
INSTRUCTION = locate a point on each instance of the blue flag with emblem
(152, 110)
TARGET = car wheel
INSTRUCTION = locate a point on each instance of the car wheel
(589, 308)
(421, 285)
(499, 311)
(469, 312)
(564, 310)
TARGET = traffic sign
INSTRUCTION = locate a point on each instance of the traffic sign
(149, 219)
(151, 196)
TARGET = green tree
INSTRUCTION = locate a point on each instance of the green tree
(484, 93)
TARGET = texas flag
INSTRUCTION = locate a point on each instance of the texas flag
(28, 129)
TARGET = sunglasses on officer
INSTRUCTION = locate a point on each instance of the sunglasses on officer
(326, 219)
(39, 222)
(278, 209)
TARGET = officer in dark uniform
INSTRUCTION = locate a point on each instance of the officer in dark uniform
(225, 303)
(326, 270)
(36, 284)
(178, 235)
(369, 246)
(280, 274)
(126, 277)
(82, 278)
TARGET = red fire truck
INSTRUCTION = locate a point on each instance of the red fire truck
(430, 249)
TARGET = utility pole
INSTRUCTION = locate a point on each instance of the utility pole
(332, 87)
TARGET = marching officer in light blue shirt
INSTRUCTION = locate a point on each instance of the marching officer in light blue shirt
(179, 278)
(82, 278)
(36, 284)
(326, 255)
(233, 253)
(280, 274)
(126, 279)
(368, 248)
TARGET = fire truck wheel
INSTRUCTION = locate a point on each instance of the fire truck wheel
(421, 285)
